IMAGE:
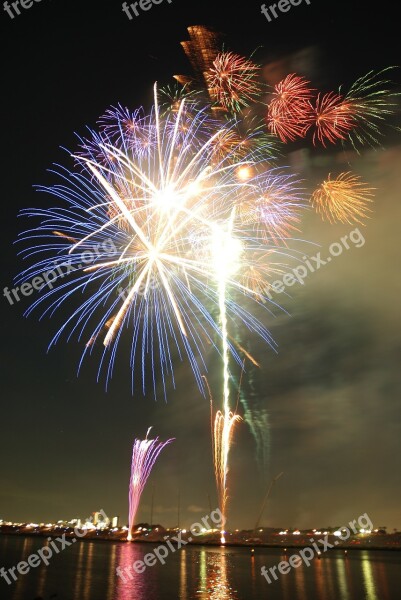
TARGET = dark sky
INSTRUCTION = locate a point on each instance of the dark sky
(328, 403)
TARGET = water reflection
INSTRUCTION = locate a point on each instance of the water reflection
(342, 579)
(213, 576)
(136, 586)
(79, 570)
(88, 572)
(382, 581)
(300, 583)
(285, 582)
(183, 575)
(20, 585)
(329, 576)
(368, 579)
(112, 572)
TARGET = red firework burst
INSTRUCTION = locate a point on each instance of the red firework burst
(290, 112)
(334, 118)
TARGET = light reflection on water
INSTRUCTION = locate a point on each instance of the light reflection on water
(87, 571)
(369, 581)
(213, 577)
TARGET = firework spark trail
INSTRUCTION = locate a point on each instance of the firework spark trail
(164, 210)
(372, 101)
(290, 112)
(343, 199)
(357, 116)
(233, 81)
(227, 417)
(335, 118)
(144, 455)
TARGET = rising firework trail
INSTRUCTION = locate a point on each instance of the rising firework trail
(144, 455)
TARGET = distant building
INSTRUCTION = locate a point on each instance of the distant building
(115, 521)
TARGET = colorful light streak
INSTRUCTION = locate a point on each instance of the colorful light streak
(144, 455)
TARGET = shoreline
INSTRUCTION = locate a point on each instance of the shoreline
(206, 543)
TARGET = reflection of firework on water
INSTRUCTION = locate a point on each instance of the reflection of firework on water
(144, 455)
(233, 81)
(289, 112)
(334, 118)
(157, 207)
(343, 199)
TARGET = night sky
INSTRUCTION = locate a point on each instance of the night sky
(329, 400)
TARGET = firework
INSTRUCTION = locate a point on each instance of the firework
(153, 223)
(372, 101)
(161, 214)
(290, 112)
(223, 430)
(144, 455)
(233, 81)
(343, 199)
(276, 207)
(201, 50)
(335, 118)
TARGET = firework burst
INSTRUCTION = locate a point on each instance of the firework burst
(233, 81)
(152, 221)
(335, 118)
(372, 101)
(290, 112)
(344, 199)
(275, 210)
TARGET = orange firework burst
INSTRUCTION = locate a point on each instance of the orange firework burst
(343, 200)
(233, 81)
(335, 118)
(290, 113)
